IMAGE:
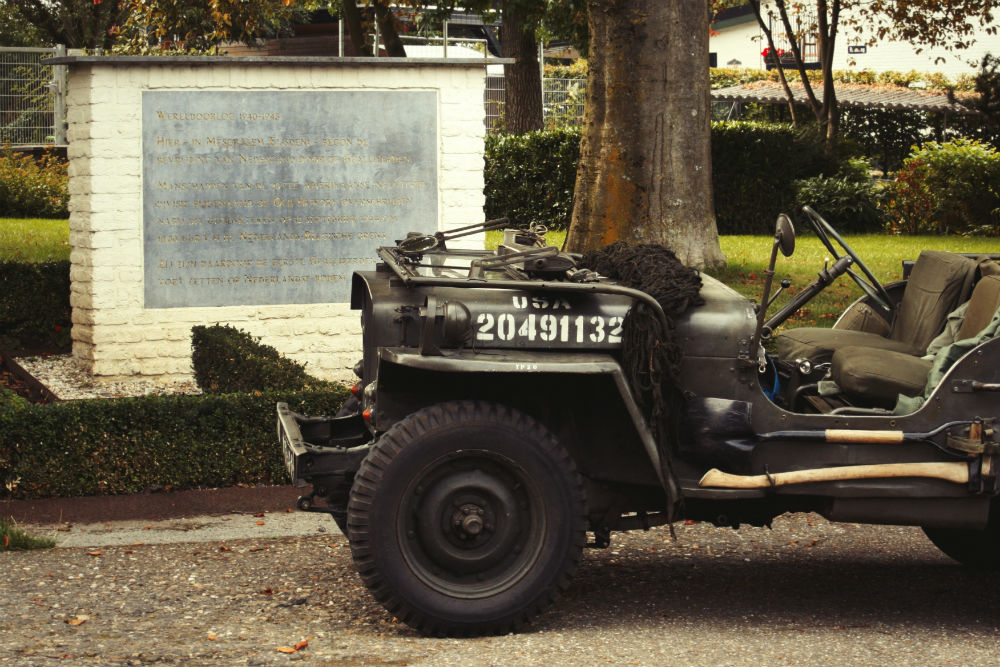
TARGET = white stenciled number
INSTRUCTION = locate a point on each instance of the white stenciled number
(549, 327)
(615, 335)
(505, 326)
(597, 335)
(527, 328)
(485, 322)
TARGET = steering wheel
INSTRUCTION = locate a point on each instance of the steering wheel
(869, 284)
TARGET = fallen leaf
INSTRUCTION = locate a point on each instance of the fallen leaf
(301, 645)
(260, 523)
(129, 551)
(76, 620)
(94, 553)
(267, 591)
(224, 548)
(212, 637)
(286, 649)
(259, 514)
(137, 544)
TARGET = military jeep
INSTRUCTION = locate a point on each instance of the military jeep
(497, 429)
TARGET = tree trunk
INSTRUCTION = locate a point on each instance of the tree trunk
(387, 27)
(352, 17)
(523, 83)
(645, 173)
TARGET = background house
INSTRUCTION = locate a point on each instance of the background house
(737, 41)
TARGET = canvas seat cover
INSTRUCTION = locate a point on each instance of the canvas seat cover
(881, 377)
(939, 282)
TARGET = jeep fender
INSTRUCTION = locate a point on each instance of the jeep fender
(583, 398)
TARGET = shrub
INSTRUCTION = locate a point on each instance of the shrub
(228, 360)
(9, 400)
(848, 200)
(35, 309)
(947, 188)
(32, 188)
(754, 170)
(530, 177)
(119, 446)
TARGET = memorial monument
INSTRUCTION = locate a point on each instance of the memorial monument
(246, 191)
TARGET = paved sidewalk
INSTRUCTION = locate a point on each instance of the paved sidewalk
(235, 526)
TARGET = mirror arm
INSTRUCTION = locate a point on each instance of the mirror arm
(823, 279)
(762, 308)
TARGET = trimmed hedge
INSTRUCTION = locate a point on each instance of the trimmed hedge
(754, 170)
(106, 447)
(34, 305)
(531, 177)
(228, 360)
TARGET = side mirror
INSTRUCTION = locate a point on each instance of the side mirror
(784, 235)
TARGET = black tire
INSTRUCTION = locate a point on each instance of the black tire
(978, 549)
(467, 518)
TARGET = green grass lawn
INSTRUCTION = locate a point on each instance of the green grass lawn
(33, 239)
(748, 255)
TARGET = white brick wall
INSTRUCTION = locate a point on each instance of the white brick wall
(112, 332)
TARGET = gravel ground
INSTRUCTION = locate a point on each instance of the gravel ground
(805, 593)
(65, 377)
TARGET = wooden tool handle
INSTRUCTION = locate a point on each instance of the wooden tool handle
(951, 472)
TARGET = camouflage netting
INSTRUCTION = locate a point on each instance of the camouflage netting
(651, 356)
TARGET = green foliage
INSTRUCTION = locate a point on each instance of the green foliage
(531, 177)
(195, 26)
(35, 308)
(848, 200)
(227, 359)
(107, 447)
(13, 538)
(32, 188)
(79, 24)
(9, 400)
(947, 188)
(754, 170)
(728, 76)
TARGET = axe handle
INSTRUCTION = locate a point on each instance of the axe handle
(951, 472)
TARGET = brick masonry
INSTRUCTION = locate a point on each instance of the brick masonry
(113, 334)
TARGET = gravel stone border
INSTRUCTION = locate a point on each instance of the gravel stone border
(66, 377)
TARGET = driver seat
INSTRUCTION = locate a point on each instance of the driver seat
(939, 282)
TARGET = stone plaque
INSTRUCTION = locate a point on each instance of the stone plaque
(277, 197)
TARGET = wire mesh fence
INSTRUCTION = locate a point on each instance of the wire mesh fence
(30, 97)
(562, 102)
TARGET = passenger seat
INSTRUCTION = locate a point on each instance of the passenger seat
(874, 377)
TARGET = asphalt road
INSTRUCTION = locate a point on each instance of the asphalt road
(805, 593)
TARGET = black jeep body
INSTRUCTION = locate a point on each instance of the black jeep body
(495, 432)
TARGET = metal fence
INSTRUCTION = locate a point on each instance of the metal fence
(562, 102)
(32, 97)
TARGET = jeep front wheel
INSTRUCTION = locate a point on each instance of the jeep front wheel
(467, 518)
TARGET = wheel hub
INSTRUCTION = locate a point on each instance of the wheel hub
(468, 521)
